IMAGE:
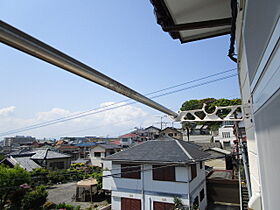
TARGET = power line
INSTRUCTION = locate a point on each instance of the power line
(84, 114)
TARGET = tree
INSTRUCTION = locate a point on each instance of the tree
(34, 199)
(11, 180)
(211, 103)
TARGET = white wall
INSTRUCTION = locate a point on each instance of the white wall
(162, 191)
(222, 139)
(259, 72)
(96, 161)
(197, 184)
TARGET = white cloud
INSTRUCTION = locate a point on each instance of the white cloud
(7, 111)
(112, 122)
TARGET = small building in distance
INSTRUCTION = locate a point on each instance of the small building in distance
(152, 132)
(18, 140)
(73, 151)
(172, 132)
(128, 139)
(101, 151)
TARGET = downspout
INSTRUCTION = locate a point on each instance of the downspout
(233, 29)
(143, 183)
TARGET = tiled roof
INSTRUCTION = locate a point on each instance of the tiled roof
(86, 144)
(47, 154)
(165, 149)
(110, 146)
(27, 163)
(128, 135)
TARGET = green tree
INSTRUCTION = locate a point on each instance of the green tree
(11, 180)
(35, 199)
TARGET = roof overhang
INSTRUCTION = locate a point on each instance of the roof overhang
(191, 20)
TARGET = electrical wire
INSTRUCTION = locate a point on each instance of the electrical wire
(77, 114)
(35, 126)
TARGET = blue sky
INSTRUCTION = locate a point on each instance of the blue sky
(118, 38)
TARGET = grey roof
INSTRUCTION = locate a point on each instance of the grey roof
(201, 138)
(48, 154)
(165, 149)
(206, 146)
(27, 163)
(23, 161)
(109, 146)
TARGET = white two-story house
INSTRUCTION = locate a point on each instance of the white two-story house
(101, 151)
(149, 175)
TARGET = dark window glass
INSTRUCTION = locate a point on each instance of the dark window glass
(97, 154)
(201, 165)
(201, 195)
(162, 173)
(163, 206)
(131, 171)
(196, 202)
(129, 204)
(193, 171)
(57, 165)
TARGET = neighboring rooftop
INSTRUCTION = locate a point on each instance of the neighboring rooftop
(86, 144)
(24, 162)
(165, 149)
(109, 146)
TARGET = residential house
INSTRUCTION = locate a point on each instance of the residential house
(220, 159)
(226, 134)
(152, 132)
(39, 158)
(73, 151)
(101, 151)
(150, 174)
(172, 132)
(128, 139)
(85, 149)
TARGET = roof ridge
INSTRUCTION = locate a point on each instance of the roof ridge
(184, 150)
(128, 148)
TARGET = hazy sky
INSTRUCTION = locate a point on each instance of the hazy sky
(118, 38)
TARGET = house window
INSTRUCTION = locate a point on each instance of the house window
(226, 145)
(201, 195)
(129, 204)
(200, 165)
(175, 134)
(131, 171)
(162, 173)
(195, 202)
(170, 134)
(226, 134)
(97, 154)
(112, 152)
(125, 140)
(193, 171)
(163, 206)
(57, 165)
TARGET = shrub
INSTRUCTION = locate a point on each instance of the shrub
(49, 205)
(35, 199)
(67, 206)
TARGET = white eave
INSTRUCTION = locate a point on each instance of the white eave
(190, 20)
